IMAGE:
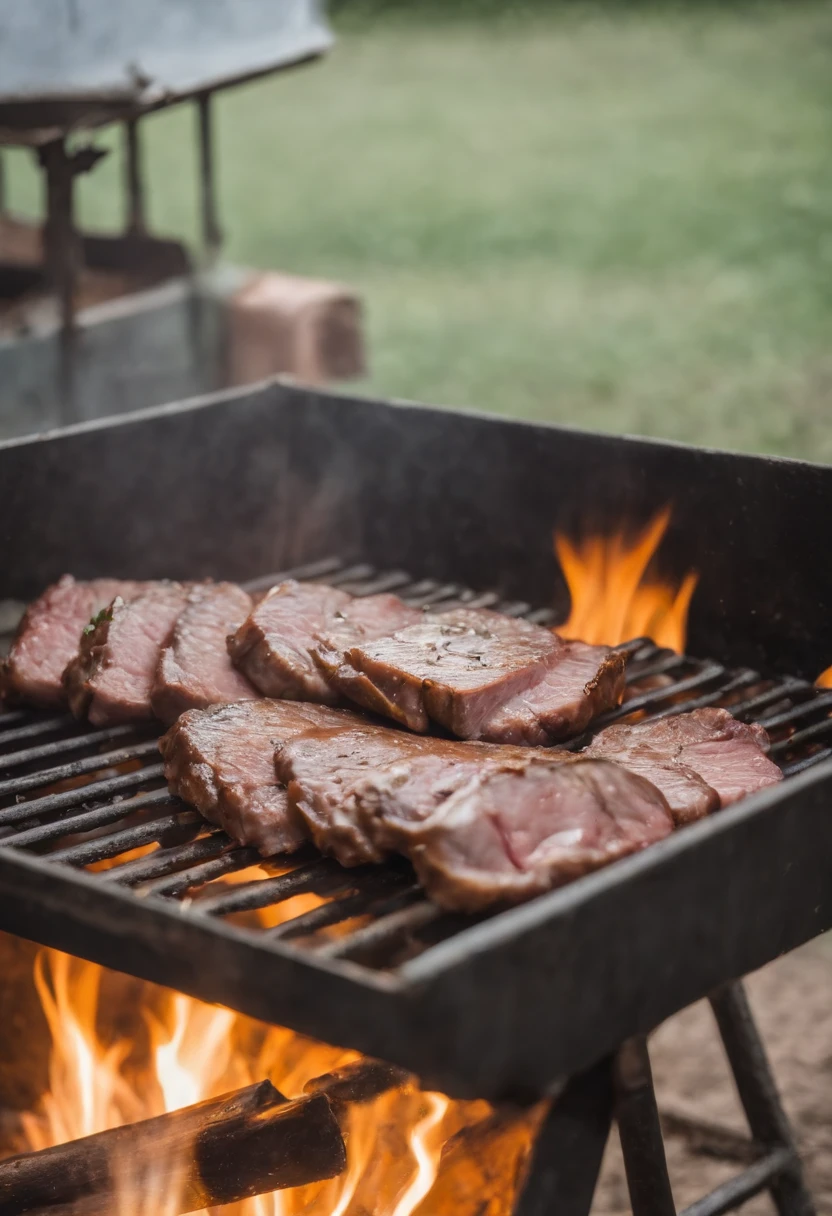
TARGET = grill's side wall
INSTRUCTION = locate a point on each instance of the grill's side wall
(259, 480)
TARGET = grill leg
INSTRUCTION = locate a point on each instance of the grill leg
(758, 1094)
(642, 1145)
(566, 1158)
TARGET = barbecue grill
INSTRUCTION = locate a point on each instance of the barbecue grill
(443, 508)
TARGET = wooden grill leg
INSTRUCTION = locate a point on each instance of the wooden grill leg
(758, 1094)
(567, 1154)
(642, 1145)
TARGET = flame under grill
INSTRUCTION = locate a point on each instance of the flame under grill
(93, 803)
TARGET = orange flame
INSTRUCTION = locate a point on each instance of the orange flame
(613, 600)
(824, 680)
(98, 1080)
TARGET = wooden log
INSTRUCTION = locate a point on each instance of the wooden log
(221, 1151)
(482, 1167)
(360, 1082)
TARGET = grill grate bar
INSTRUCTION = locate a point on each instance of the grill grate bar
(800, 766)
(81, 796)
(360, 903)
(164, 862)
(32, 730)
(327, 566)
(319, 877)
(780, 692)
(13, 716)
(74, 743)
(488, 599)
(194, 876)
(424, 599)
(384, 932)
(78, 768)
(742, 680)
(666, 662)
(351, 575)
(810, 734)
(542, 616)
(655, 696)
(89, 821)
(104, 848)
(515, 608)
(817, 704)
(393, 581)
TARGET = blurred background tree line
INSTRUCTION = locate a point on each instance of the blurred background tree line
(611, 215)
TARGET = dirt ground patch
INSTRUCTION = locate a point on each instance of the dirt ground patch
(792, 1002)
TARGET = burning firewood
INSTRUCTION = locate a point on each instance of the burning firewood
(359, 1082)
(217, 1152)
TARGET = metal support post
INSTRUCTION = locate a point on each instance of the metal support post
(567, 1154)
(642, 1145)
(760, 1100)
(136, 220)
(62, 257)
(211, 231)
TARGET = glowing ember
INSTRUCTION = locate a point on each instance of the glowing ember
(824, 680)
(614, 599)
(183, 1051)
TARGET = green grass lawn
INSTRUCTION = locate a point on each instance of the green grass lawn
(619, 218)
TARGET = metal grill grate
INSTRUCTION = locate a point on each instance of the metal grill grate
(95, 800)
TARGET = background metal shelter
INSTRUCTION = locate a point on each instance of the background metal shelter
(70, 66)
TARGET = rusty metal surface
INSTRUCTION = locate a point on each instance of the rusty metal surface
(68, 64)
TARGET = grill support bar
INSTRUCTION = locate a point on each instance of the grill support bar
(567, 1156)
(758, 1094)
(639, 1130)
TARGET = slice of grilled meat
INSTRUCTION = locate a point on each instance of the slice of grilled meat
(195, 669)
(111, 678)
(277, 646)
(221, 761)
(520, 828)
(49, 635)
(583, 682)
(700, 760)
(322, 769)
(483, 675)
(454, 668)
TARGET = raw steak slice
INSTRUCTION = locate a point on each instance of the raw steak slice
(221, 761)
(276, 647)
(195, 669)
(48, 637)
(699, 760)
(111, 677)
(322, 769)
(455, 668)
(583, 682)
(518, 829)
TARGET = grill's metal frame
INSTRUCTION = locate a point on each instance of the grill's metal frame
(489, 1007)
